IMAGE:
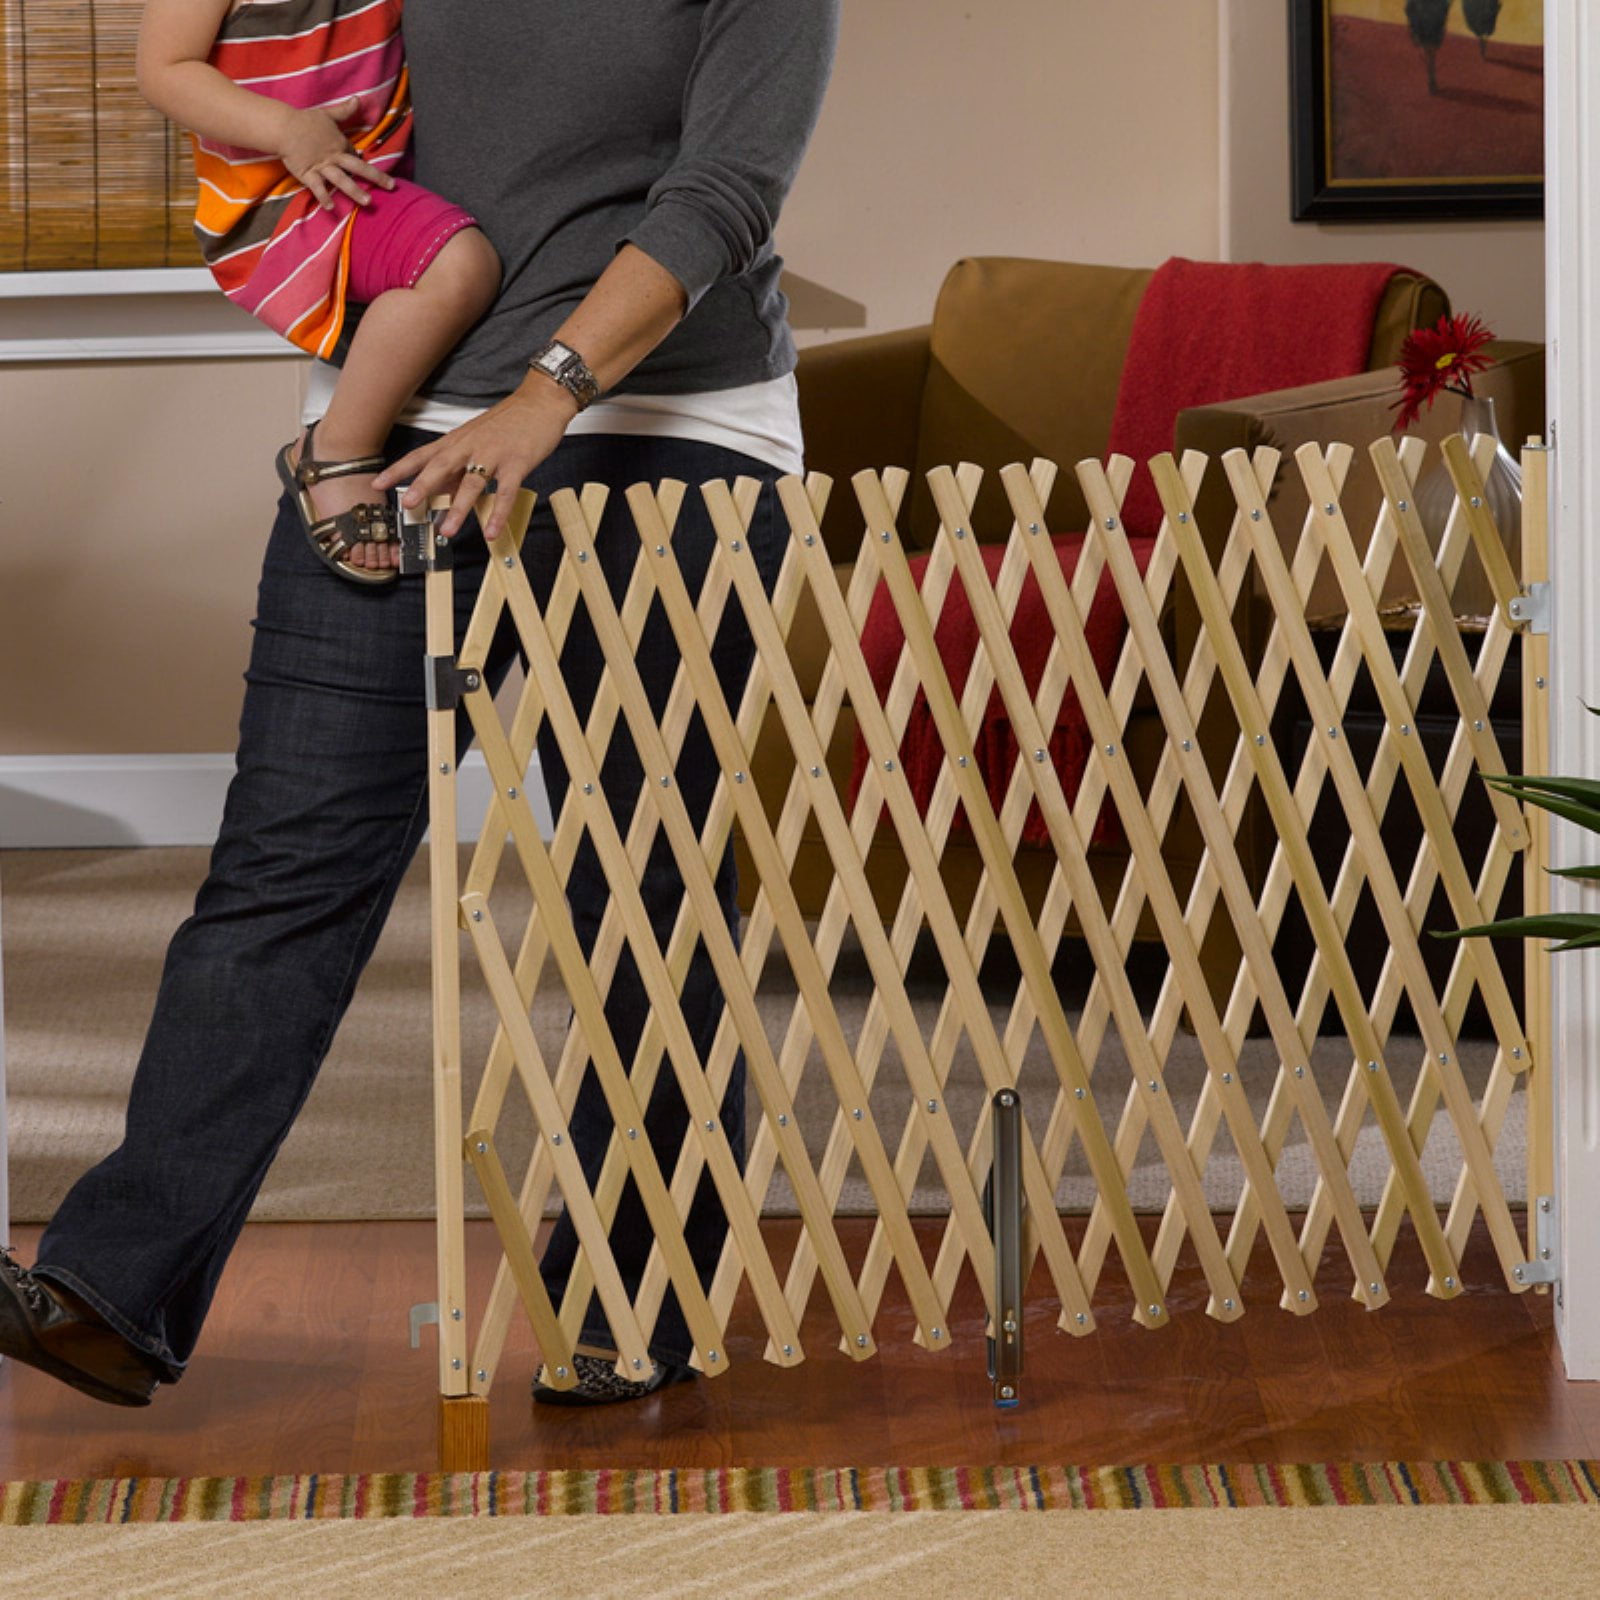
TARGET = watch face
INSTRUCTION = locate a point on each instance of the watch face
(551, 360)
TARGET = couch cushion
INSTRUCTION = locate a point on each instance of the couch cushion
(1025, 361)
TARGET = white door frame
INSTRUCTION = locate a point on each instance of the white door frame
(1572, 279)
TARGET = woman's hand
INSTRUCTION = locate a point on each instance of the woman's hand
(315, 150)
(505, 444)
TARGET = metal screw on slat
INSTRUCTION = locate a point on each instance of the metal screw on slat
(1183, 516)
(583, 555)
(935, 1334)
(933, 1105)
(1227, 1305)
(1038, 755)
(477, 916)
(455, 1313)
(711, 1125)
(561, 1372)
(961, 761)
(588, 788)
(861, 1341)
(1188, 744)
(483, 1377)
(816, 772)
(1261, 738)
(1255, 514)
(1081, 1319)
(482, 1148)
(633, 1133)
(638, 1364)
(1449, 1283)
(1376, 1288)
(511, 794)
(738, 777)
(1372, 1066)
(1111, 749)
(788, 1349)
(555, 1138)
(1078, 1093)
(444, 768)
(1155, 1311)
(856, 1113)
(1478, 726)
(661, 549)
(1475, 502)
(666, 782)
(1330, 508)
(711, 1355)
(737, 546)
(811, 538)
(1111, 522)
(1299, 1072)
(1404, 505)
(885, 536)
(1033, 527)
(509, 561)
(455, 1363)
(1227, 1077)
(1302, 1296)
(961, 533)
(888, 766)
(1405, 729)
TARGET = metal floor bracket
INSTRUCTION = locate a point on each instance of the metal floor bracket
(1005, 1224)
(1546, 1264)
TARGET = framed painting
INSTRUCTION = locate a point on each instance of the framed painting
(1408, 109)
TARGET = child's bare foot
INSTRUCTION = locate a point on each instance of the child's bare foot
(330, 496)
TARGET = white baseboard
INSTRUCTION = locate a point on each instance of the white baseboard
(99, 802)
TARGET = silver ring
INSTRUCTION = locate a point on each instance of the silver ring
(473, 469)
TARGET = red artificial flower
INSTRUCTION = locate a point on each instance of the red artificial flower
(1444, 356)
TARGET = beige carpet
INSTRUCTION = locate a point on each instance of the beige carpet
(84, 933)
(1422, 1552)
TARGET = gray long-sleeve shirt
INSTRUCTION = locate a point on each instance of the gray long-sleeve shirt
(571, 127)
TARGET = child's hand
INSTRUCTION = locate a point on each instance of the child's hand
(314, 148)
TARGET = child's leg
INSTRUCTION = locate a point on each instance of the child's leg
(404, 334)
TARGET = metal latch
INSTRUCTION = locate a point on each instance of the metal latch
(447, 682)
(421, 549)
(1545, 1266)
(1530, 610)
(424, 1312)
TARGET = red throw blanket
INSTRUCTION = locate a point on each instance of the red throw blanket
(1204, 332)
(1217, 330)
(956, 635)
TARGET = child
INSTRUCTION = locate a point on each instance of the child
(301, 116)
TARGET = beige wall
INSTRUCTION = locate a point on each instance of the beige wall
(1071, 130)
(136, 495)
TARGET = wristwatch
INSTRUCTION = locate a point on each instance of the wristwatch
(562, 363)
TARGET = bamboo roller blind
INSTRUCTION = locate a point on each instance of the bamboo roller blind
(90, 175)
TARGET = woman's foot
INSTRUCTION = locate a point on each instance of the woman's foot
(330, 496)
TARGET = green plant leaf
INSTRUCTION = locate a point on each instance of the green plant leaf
(1549, 925)
(1592, 874)
(1576, 799)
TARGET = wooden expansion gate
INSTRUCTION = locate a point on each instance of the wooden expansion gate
(1001, 1172)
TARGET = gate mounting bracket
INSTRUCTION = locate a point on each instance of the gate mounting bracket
(1546, 1264)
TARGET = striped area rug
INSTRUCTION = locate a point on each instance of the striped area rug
(333, 1497)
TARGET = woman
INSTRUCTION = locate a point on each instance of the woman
(627, 161)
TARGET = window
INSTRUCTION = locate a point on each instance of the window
(90, 176)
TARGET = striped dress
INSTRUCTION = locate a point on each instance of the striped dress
(268, 243)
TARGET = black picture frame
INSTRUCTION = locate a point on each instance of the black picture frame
(1318, 195)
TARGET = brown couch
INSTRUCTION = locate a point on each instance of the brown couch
(1023, 359)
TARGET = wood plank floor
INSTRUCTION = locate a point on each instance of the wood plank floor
(305, 1366)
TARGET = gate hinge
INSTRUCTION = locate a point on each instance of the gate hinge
(1530, 610)
(447, 682)
(421, 549)
(422, 1314)
(1546, 1264)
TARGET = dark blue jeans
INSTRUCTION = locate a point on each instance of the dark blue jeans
(325, 812)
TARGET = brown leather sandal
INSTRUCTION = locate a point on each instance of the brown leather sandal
(331, 537)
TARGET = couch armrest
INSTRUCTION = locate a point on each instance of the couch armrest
(1356, 411)
(860, 405)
